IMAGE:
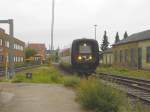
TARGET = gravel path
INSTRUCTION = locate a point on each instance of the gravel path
(37, 98)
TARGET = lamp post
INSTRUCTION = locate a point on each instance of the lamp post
(95, 26)
(52, 24)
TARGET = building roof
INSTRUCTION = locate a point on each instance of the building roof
(2, 30)
(109, 50)
(145, 35)
(7, 36)
(36, 45)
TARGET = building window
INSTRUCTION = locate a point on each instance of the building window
(14, 59)
(21, 59)
(18, 47)
(1, 42)
(7, 44)
(14, 46)
(125, 55)
(115, 56)
(7, 59)
(1, 58)
(132, 57)
(106, 59)
(110, 59)
(121, 56)
(148, 54)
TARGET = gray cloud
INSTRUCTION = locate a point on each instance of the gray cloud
(75, 18)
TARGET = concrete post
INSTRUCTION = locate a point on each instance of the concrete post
(11, 57)
(11, 45)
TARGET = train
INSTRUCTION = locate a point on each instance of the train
(82, 56)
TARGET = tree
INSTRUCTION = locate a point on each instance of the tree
(30, 52)
(105, 42)
(117, 38)
(57, 55)
(125, 35)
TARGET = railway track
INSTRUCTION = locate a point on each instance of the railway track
(137, 88)
(19, 69)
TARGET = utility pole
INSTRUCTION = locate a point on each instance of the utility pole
(11, 46)
(95, 26)
(52, 24)
(11, 58)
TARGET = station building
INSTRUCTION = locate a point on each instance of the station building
(108, 57)
(40, 49)
(18, 50)
(134, 51)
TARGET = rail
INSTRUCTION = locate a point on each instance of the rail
(138, 88)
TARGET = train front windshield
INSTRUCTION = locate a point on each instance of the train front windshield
(85, 49)
(85, 52)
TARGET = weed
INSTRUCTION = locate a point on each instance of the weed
(71, 81)
(93, 94)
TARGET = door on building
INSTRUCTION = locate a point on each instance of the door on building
(132, 57)
(139, 58)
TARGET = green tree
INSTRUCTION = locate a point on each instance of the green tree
(105, 42)
(117, 38)
(30, 52)
(57, 55)
(125, 35)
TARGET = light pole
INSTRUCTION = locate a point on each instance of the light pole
(52, 24)
(95, 26)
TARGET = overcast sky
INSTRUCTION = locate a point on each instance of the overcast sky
(75, 19)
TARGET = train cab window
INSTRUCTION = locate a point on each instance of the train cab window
(85, 49)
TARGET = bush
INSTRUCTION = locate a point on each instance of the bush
(71, 81)
(94, 95)
(140, 108)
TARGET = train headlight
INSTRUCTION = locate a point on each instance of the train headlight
(79, 57)
(84, 44)
(90, 57)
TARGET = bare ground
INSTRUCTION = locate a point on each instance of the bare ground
(37, 98)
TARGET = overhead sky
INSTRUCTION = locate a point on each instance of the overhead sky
(75, 19)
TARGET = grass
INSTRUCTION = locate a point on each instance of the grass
(43, 74)
(94, 95)
(71, 81)
(143, 74)
(91, 93)
(46, 74)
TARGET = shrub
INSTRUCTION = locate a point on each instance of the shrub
(140, 108)
(93, 94)
(71, 81)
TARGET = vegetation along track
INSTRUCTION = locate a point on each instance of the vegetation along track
(18, 69)
(137, 88)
